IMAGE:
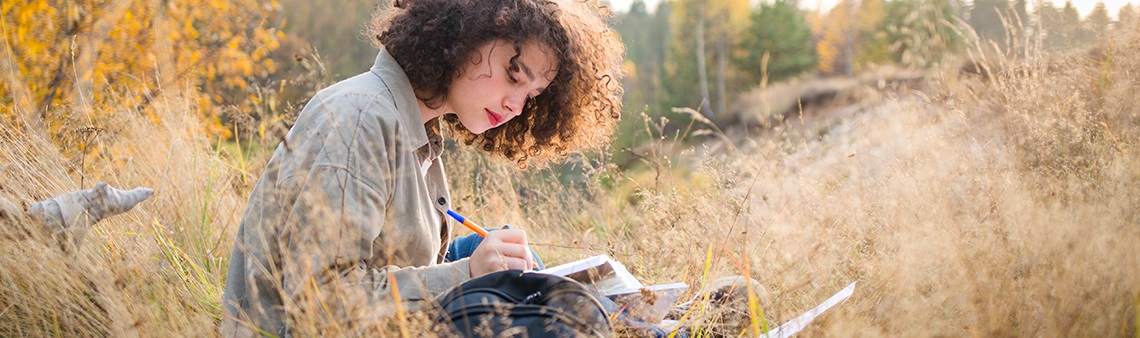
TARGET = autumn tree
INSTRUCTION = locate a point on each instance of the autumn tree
(835, 43)
(871, 48)
(76, 55)
(849, 37)
(777, 43)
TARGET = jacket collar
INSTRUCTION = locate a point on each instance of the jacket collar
(404, 97)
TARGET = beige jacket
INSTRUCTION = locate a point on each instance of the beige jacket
(351, 201)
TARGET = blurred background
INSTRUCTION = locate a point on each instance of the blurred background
(254, 63)
(971, 163)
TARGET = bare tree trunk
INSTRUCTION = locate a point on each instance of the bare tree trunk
(702, 72)
(721, 75)
(848, 40)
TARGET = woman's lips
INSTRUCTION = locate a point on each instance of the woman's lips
(494, 118)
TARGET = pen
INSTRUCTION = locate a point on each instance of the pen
(474, 227)
(466, 222)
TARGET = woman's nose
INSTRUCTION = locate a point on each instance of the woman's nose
(514, 103)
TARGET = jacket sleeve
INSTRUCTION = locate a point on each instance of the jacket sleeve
(339, 211)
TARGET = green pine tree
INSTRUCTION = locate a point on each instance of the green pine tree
(1050, 27)
(1075, 35)
(646, 36)
(705, 36)
(1125, 17)
(1096, 23)
(778, 30)
(641, 55)
(921, 32)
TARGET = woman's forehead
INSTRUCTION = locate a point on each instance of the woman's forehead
(538, 59)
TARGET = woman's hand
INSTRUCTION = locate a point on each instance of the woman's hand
(501, 250)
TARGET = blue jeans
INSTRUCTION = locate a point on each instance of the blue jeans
(463, 247)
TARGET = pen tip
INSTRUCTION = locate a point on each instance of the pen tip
(455, 216)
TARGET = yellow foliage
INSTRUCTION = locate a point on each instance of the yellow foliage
(630, 68)
(74, 54)
(834, 30)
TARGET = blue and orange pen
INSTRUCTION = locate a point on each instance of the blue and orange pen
(468, 223)
(471, 225)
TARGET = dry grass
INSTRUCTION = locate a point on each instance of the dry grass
(1003, 206)
(155, 270)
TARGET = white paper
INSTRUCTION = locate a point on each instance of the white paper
(796, 324)
(609, 278)
(622, 282)
(575, 266)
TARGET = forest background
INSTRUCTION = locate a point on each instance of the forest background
(254, 63)
(795, 139)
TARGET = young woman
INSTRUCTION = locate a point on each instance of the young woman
(347, 222)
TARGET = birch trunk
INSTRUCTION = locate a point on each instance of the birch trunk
(702, 72)
(721, 75)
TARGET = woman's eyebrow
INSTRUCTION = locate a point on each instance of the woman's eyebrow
(526, 70)
(530, 77)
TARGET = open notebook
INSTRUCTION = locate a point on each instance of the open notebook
(650, 303)
(611, 279)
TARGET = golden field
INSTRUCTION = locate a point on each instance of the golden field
(1002, 204)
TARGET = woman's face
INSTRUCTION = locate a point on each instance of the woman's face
(490, 91)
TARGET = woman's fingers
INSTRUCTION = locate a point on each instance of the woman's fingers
(522, 250)
(508, 236)
(501, 250)
(512, 250)
(513, 263)
(516, 251)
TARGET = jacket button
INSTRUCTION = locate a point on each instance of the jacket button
(441, 201)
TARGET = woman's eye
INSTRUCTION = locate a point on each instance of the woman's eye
(512, 69)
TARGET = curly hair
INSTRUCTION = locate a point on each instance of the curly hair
(578, 110)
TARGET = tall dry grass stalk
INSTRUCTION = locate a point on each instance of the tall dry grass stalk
(155, 270)
(1002, 205)
(998, 206)
(995, 206)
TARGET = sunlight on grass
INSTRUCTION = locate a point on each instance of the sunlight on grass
(997, 204)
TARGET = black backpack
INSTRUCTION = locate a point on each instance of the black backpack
(516, 304)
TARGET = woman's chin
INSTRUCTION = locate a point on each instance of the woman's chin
(477, 130)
